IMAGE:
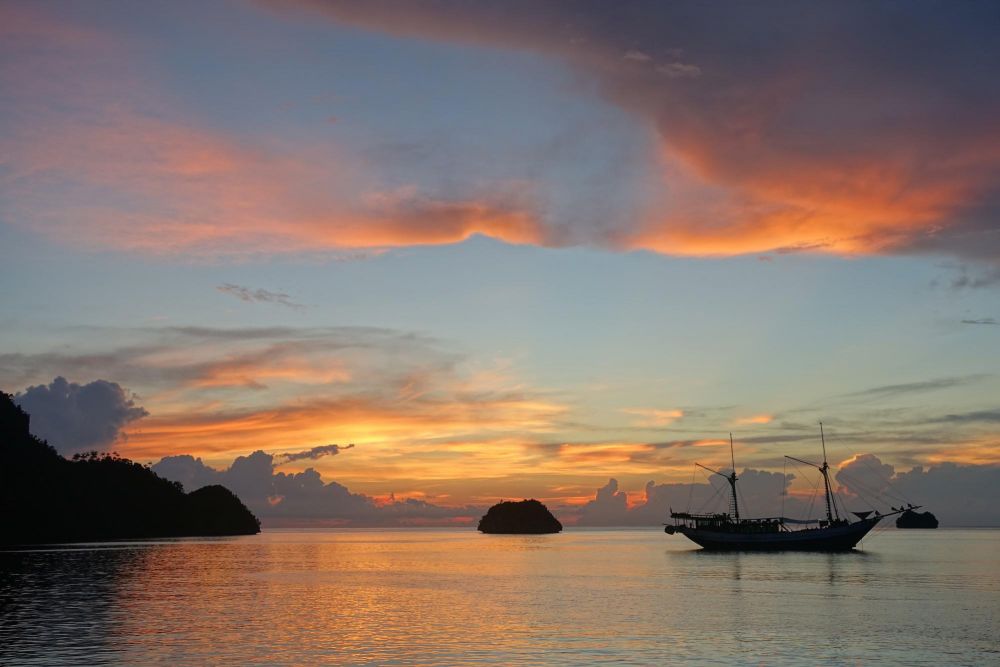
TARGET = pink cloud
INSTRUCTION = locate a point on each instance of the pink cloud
(835, 133)
(825, 131)
(97, 157)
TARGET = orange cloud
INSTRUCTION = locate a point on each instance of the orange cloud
(137, 179)
(835, 150)
(832, 206)
(357, 419)
(985, 451)
(756, 419)
(176, 189)
(241, 373)
(654, 417)
(776, 155)
(603, 453)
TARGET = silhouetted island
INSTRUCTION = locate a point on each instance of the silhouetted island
(45, 498)
(527, 517)
(911, 519)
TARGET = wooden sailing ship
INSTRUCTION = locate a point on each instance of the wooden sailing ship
(728, 531)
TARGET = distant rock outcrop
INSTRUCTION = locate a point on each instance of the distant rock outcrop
(525, 517)
(911, 519)
(45, 498)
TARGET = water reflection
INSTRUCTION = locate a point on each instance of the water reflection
(57, 605)
(447, 597)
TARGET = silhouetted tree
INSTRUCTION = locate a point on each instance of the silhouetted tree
(97, 496)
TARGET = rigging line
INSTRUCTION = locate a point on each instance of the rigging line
(885, 494)
(718, 489)
(839, 498)
(887, 481)
(879, 495)
(798, 468)
(694, 469)
(815, 487)
(883, 478)
(864, 497)
(855, 482)
(881, 528)
(897, 494)
(812, 500)
(842, 502)
(839, 502)
(743, 500)
(784, 485)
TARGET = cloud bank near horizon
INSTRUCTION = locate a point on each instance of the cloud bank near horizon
(959, 495)
(303, 496)
(80, 417)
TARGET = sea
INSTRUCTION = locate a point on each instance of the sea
(457, 597)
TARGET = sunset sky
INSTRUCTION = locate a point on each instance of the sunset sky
(504, 249)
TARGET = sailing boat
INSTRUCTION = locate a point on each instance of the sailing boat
(727, 531)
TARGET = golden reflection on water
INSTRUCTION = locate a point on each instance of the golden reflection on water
(458, 597)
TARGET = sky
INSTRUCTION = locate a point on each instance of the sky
(390, 262)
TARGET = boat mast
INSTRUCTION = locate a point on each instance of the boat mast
(826, 480)
(831, 507)
(731, 478)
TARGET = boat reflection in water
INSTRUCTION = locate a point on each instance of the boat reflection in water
(727, 531)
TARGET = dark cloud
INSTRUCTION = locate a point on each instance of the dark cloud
(609, 506)
(976, 279)
(282, 497)
(985, 416)
(849, 127)
(316, 452)
(892, 390)
(982, 320)
(76, 418)
(959, 495)
(865, 476)
(251, 295)
(761, 494)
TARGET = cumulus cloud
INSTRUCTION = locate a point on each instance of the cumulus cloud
(76, 418)
(865, 475)
(278, 497)
(760, 495)
(251, 295)
(609, 506)
(315, 452)
(959, 495)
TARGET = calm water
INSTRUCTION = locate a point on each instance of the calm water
(451, 597)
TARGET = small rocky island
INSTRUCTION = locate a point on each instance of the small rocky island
(45, 498)
(527, 517)
(911, 519)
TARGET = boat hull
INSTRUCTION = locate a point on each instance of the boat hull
(836, 538)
